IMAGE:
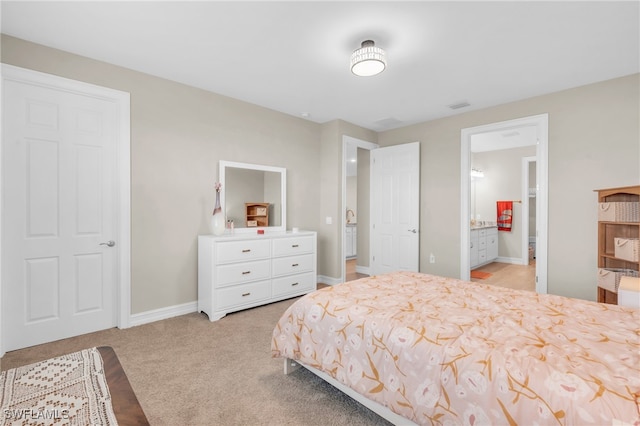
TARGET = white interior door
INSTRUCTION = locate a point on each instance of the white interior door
(395, 208)
(59, 273)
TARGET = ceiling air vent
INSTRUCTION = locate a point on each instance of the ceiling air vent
(459, 105)
(388, 123)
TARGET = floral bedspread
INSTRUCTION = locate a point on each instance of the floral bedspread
(443, 351)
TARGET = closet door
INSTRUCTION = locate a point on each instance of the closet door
(395, 208)
(60, 213)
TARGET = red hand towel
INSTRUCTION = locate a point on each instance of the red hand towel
(505, 214)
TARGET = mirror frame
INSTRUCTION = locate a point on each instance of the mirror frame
(283, 192)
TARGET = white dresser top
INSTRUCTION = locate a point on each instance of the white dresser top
(239, 236)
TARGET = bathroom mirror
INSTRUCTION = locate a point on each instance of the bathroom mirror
(253, 183)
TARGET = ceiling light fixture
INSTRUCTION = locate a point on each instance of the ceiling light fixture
(368, 60)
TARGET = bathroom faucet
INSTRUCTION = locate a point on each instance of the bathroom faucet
(352, 215)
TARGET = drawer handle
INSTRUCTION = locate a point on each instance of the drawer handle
(295, 245)
(246, 250)
(246, 294)
(246, 272)
(294, 284)
(295, 264)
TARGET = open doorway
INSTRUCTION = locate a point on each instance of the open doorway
(355, 205)
(500, 251)
(492, 140)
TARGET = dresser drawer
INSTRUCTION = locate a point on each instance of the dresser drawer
(292, 245)
(293, 284)
(292, 264)
(242, 251)
(242, 294)
(236, 273)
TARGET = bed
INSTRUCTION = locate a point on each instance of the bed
(125, 404)
(84, 387)
(424, 349)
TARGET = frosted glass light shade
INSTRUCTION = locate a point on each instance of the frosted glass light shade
(368, 60)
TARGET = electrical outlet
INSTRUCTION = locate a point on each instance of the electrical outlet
(328, 220)
(432, 258)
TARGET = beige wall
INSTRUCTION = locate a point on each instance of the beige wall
(179, 133)
(330, 260)
(593, 143)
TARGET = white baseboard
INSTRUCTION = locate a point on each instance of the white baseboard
(323, 279)
(162, 313)
(362, 270)
(511, 260)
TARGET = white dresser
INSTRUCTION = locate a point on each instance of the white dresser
(241, 271)
(484, 246)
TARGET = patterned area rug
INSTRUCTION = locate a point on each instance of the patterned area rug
(66, 390)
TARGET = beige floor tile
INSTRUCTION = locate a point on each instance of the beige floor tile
(518, 277)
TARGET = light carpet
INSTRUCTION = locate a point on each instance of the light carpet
(190, 371)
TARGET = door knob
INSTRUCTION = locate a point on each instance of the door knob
(109, 243)
(412, 230)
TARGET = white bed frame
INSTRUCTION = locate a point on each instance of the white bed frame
(290, 366)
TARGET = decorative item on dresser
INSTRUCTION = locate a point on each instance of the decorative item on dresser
(217, 223)
(241, 271)
(618, 234)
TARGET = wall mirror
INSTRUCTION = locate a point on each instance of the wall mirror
(254, 184)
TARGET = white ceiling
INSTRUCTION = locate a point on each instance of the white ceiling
(293, 57)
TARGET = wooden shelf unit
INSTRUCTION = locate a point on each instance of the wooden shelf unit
(608, 231)
(256, 214)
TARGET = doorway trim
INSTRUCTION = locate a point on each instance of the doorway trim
(541, 122)
(123, 187)
(346, 142)
(526, 217)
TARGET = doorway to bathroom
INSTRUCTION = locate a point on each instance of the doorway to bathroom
(505, 162)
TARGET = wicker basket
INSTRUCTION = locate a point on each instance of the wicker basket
(609, 278)
(627, 249)
(626, 211)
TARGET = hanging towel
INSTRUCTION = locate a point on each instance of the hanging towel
(505, 214)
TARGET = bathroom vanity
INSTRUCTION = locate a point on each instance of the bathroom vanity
(483, 245)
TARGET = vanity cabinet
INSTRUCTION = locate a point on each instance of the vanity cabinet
(237, 272)
(483, 246)
(351, 241)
